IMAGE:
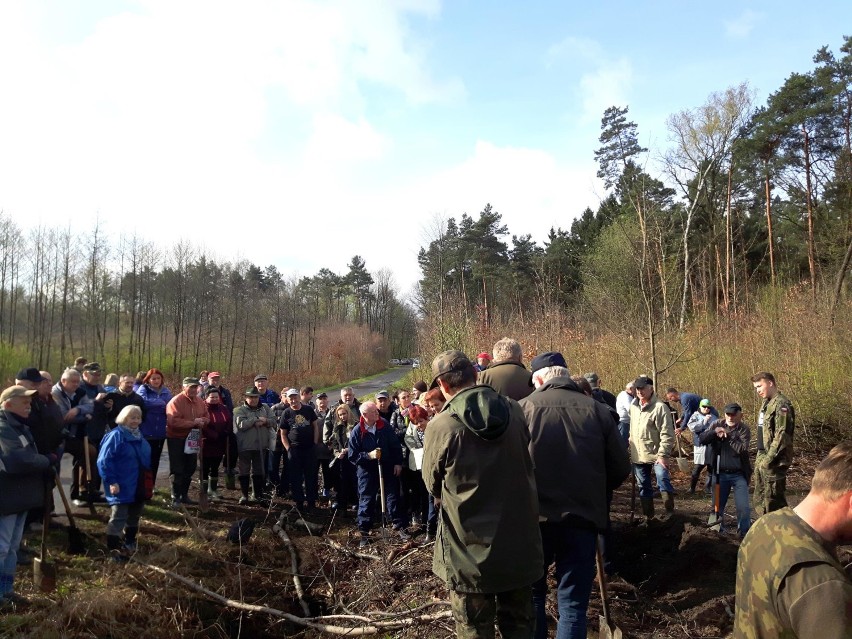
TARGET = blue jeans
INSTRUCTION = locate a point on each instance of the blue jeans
(738, 482)
(643, 478)
(11, 531)
(572, 549)
(624, 430)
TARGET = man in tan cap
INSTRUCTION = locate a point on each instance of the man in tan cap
(22, 484)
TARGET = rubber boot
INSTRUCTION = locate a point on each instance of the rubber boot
(693, 484)
(130, 539)
(668, 502)
(258, 484)
(648, 509)
(244, 487)
(213, 489)
(114, 547)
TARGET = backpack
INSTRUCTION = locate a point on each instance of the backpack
(240, 531)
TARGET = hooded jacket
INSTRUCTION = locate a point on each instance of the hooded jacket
(476, 460)
(577, 451)
(508, 378)
(119, 460)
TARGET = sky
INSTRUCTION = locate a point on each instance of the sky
(297, 133)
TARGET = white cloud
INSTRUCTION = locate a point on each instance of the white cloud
(742, 25)
(603, 81)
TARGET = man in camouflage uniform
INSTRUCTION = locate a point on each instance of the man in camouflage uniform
(790, 582)
(774, 445)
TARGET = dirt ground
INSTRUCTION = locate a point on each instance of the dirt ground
(674, 579)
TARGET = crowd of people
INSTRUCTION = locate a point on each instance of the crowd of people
(510, 470)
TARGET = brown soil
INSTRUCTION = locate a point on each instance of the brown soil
(674, 578)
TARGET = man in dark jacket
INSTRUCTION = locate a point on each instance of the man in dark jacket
(599, 393)
(77, 411)
(122, 397)
(729, 439)
(23, 480)
(506, 374)
(477, 466)
(374, 448)
(579, 457)
(45, 424)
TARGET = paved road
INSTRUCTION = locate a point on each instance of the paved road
(369, 387)
(375, 384)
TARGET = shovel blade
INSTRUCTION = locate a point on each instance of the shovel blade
(44, 575)
(606, 632)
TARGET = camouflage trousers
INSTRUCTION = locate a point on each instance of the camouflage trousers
(474, 614)
(770, 485)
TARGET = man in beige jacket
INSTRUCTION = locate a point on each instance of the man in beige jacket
(651, 441)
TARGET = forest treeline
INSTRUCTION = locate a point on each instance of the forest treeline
(731, 256)
(133, 304)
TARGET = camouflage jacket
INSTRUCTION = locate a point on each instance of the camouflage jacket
(789, 584)
(775, 432)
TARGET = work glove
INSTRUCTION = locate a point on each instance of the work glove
(373, 454)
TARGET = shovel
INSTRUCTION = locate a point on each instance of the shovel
(230, 481)
(44, 573)
(608, 630)
(203, 503)
(89, 483)
(683, 464)
(716, 518)
(632, 495)
(76, 545)
(381, 490)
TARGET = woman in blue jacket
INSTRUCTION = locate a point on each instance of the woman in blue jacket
(124, 451)
(156, 396)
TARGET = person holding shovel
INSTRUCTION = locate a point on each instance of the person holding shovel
(23, 483)
(729, 439)
(124, 454)
(375, 450)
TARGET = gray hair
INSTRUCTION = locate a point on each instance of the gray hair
(68, 373)
(126, 412)
(507, 349)
(544, 375)
(368, 405)
(346, 389)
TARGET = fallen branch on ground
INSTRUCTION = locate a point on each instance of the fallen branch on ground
(374, 627)
(351, 553)
(294, 560)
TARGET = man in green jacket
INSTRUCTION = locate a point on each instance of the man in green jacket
(506, 374)
(476, 463)
(790, 582)
(774, 445)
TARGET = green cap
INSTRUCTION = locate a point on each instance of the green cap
(447, 362)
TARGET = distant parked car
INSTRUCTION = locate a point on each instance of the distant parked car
(395, 362)
(415, 363)
(405, 362)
